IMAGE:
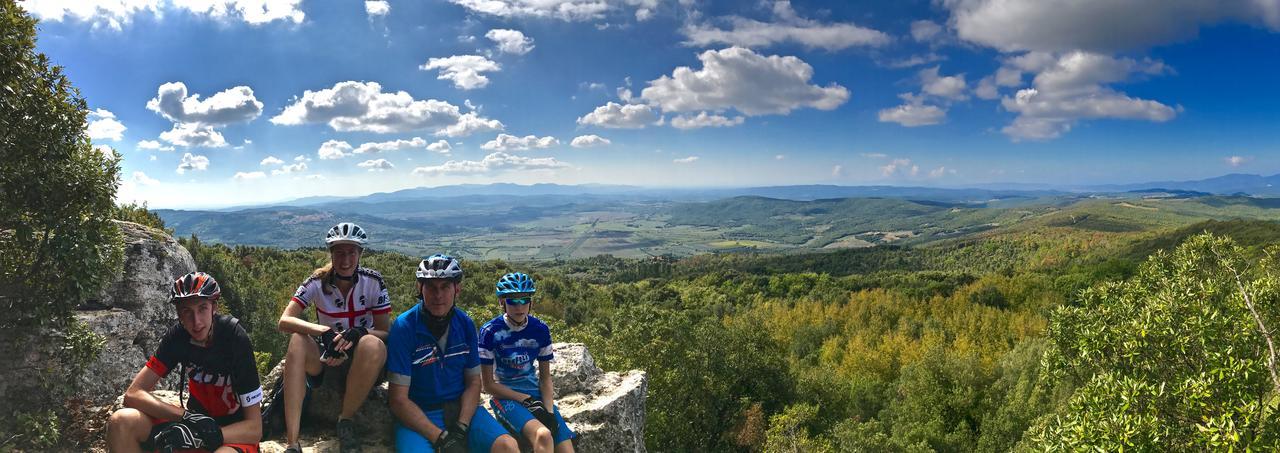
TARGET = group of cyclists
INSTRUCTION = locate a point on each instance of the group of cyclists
(432, 356)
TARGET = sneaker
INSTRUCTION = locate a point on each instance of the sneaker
(348, 442)
(293, 449)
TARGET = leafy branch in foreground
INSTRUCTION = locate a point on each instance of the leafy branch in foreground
(1178, 358)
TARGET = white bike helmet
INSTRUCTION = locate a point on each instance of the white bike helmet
(440, 266)
(346, 233)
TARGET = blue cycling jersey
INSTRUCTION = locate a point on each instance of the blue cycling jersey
(512, 350)
(415, 358)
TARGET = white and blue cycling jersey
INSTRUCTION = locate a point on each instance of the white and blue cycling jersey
(512, 350)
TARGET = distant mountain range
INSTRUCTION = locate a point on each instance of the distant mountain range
(1232, 184)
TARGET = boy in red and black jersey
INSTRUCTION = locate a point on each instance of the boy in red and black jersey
(214, 355)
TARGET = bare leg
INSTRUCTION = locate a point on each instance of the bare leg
(302, 359)
(127, 429)
(371, 356)
(539, 435)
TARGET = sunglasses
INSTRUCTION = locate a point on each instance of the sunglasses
(519, 301)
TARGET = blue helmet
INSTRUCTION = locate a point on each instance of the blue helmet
(515, 283)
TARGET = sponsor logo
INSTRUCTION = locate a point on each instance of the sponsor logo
(514, 360)
(428, 358)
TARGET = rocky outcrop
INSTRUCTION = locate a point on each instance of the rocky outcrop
(132, 313)
(606, 410)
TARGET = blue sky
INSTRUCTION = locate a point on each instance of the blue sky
(264, 100)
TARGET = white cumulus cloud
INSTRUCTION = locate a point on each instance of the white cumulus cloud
(1073, 88)
(270, 160)
(1098, 25)
(142, 179)
(104, 126)
(376, 165)
(192, 162)
(393, 145)
(362, 106)
(440, 146)
(950, 87)
(505, 142)
(153, 145)
(288, 169)
(589, 141)
(498, 161)
(191, 134)
(377, 8)
(914, 112)
(787, 26)
(566, 10)
(248, 175)
(254, 12)
(510, 41)
(703, 119)
(233, 105)
(900, 167)
(116, 14)
(614, 115)
(741, 79)
(468, 124)
(465, 71)
(334, 149)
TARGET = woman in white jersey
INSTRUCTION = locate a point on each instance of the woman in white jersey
(348, 339)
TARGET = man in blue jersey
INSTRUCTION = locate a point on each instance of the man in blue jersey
(508, 346)
(433, 369)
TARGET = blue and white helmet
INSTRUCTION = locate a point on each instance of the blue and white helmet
(440, 266)
(515, 283)
(346, 233)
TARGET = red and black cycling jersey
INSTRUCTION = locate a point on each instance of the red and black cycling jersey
(221, 376)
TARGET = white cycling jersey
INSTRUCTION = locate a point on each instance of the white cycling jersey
(341, 311)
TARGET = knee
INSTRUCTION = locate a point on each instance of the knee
(371, 346)
(298, 344)
(125, 421)
(124, 416)
(505, 444)
(543, 436)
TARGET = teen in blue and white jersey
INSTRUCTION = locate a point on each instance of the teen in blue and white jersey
(509, 345)
(433, 371)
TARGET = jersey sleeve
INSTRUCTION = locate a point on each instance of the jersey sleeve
(384, 301)
(244, 369)
(486, 346)
(168, 354)
(399, 370)
(305, 293)
(545, 351)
